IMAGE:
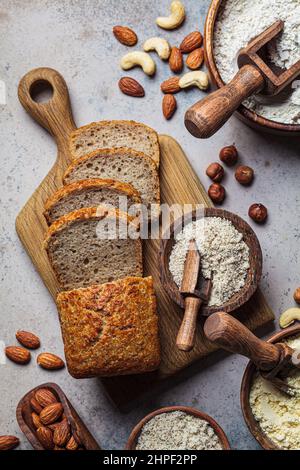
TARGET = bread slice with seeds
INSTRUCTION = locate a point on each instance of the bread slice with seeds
(91, 246)
(114, 134)
(110, 329)
(125, 165)
(90, 193)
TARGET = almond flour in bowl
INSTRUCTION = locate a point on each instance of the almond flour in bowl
(237, 23)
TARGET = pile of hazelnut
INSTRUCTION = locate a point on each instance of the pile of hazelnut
(243, 174)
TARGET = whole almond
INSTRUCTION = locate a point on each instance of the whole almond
(62, 433)
(129, 86)
(195, 59)
(36, 420)
(169, 106)
(45, 397)
(125, 35)
(45, 436)
(27, 339)
(37, 408)
(50, 361)
(176, 60)
(171, 85)
(191, 42)
(72, 444)
(8, 442)
(18, 354)
(51, 413)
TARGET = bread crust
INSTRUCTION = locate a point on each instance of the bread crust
(113, 123)
(110, 329)
(97, 183)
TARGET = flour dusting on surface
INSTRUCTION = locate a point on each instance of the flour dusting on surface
(238, 22)
(224, 256)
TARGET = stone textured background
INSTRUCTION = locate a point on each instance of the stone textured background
(75, 38)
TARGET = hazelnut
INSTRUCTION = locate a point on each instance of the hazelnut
(215, 172)
(229, 155)
(297, 295)
(217, 193)
(244, 175)
(258, 212)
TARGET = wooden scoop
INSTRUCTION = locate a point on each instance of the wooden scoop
(274, 361)
(196, 290)
(255, 76)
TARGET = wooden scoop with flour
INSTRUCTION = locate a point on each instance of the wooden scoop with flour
(254, 76)
(274, 361)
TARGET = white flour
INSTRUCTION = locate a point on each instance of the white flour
(278, 414)
(240, 21)
(224, 256)
(178, 430)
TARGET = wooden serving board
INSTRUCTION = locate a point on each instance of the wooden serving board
(179, 184)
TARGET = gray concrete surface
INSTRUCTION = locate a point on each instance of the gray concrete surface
(75, 38)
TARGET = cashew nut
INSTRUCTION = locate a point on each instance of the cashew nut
(160, 45)
(289, 317)
(175, 19)
(197, 78)
(142, 59)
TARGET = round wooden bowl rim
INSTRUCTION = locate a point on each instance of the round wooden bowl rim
(251, 369)
(132, 441)
(240, 298)
(217, 80)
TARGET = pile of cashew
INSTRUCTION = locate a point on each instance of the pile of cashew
(138, 58)
(289, 317)
(176, 17)
(160, 45)
(197, 78)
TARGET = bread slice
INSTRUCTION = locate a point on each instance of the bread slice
(110, 329)
(125, 165)
(90, 193)
(91, 246)
(105, 134)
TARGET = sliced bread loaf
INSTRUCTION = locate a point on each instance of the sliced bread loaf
(89, 193)
(105, 134)
(125, 165)
(110, 329)
(91, 246)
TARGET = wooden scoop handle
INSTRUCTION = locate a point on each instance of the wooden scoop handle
(186, 335)
(228, 333)
(54, 115)
(208, 115)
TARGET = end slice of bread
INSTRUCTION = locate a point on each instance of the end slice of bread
(92, 245)
(125, 165)
(105, 134)
(110, 329)
(90, 193)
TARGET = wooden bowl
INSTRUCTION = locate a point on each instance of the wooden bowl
(254, 272)
(248, 377)
(77, 425)
(133, 438)
(247, 116)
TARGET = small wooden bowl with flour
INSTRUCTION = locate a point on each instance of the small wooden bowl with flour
(246, 387)
(253, 273)
(247, 115)
(218, 431)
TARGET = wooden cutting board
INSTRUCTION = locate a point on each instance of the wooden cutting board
(179, 184)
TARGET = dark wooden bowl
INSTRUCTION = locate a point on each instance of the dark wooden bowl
(77, 425)
(247, 116)
(254, 273)
(250, 371)
(132, 441)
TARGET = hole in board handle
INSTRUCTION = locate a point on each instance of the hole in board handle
(41, 91)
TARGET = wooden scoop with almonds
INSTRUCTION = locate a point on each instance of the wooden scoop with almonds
(274, 361)
(196, 290)
(254, 76)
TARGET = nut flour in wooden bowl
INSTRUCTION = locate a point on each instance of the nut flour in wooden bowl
(238, 22)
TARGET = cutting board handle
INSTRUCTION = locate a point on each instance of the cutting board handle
(54, 115)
